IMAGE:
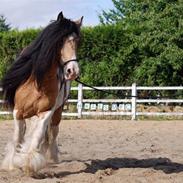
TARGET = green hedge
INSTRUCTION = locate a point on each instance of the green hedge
(114, 55)
(11, 43)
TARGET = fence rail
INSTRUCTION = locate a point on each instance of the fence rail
(133, 101)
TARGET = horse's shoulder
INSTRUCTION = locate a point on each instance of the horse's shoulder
(30, 100)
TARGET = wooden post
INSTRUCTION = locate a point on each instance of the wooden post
(134, 93)
(80, 100)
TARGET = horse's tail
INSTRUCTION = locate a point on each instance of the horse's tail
(18, 73)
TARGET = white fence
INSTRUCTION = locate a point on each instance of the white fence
(132, 107)
(133, 101)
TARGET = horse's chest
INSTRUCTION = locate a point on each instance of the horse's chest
(29, 101)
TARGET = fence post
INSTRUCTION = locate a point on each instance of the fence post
(80, 100)
(134, 93)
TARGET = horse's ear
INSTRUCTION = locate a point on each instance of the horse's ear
(79, 22)
(60, 16)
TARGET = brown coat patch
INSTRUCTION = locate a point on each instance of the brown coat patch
(30, 101)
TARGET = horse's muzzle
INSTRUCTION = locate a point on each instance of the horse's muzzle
(71, 70)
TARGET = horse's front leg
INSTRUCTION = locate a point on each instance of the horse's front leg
(19, 130)
(13, 147)
(35, 159)
(53, 151)
(30, 156)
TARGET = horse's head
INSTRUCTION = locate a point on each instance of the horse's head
(56, 45)
(69, 51)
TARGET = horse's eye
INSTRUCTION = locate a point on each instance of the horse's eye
(70, 40)
(77, 39)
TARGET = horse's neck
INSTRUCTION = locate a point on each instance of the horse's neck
(52, 73)
(50, 80)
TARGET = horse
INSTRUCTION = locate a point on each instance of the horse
(38, 84)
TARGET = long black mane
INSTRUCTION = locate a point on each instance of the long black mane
(37, 58)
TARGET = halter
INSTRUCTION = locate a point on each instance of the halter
(72, 60)
(60, 74)
(61, 77)
(61, 66)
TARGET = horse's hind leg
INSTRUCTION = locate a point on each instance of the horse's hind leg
(13, 147)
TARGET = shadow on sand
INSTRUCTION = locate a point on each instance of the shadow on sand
(163, 164)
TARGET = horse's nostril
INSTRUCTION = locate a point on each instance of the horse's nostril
(68, 71)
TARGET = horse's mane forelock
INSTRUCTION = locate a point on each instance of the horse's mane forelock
(37, 58)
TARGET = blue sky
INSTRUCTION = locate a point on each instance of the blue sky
(24, 14)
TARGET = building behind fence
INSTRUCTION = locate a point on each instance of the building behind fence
(121, 107)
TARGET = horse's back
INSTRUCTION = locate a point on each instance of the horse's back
(30, 101)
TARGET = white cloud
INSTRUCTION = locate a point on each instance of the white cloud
(35, 13)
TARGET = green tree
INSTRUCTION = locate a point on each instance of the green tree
(155, 29)
(3, 25)
(117, 14)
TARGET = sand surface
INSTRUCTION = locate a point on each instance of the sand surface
(109, 151)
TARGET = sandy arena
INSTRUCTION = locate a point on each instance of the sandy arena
(107, 151)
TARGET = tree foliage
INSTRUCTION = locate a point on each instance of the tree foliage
(3, 25)
(144, 44)
(11, 43)
(156, 32)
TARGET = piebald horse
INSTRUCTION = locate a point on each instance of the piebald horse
(38, 84)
